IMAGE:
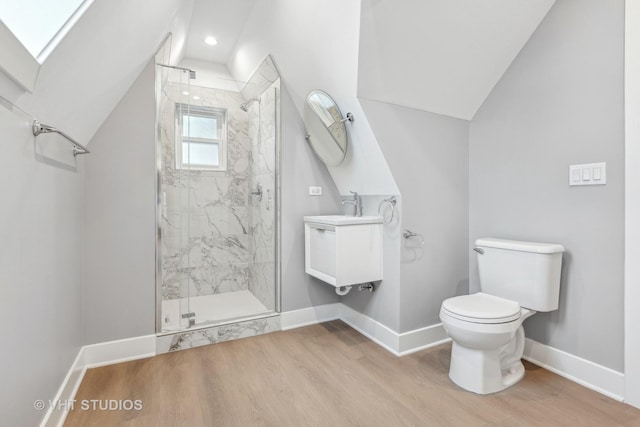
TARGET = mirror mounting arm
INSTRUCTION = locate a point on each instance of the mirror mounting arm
(348, 118)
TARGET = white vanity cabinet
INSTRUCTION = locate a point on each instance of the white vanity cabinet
(343, 250)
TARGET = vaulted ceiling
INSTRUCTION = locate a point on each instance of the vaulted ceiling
(441, 56)
(91, 69)
(96, 62)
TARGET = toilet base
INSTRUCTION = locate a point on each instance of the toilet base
(481, 371)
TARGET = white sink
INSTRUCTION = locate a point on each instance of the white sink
(343, 219)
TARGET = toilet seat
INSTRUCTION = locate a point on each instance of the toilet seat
(482, 308)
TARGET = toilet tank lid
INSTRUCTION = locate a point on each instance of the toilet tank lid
(515, 245)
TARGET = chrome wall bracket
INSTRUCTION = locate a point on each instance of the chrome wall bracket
(408, 234)
(349, 118)
(37, 128)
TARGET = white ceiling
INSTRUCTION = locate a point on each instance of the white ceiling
(435, 55)
(441, 56)
(222, 19)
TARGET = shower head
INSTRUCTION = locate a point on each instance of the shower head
(245, 106)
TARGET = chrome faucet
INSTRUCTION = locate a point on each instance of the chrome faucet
(356, 202)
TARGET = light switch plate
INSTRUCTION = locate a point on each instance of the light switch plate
(588, 174)
(315, 191)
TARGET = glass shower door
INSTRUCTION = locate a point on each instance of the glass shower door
(174, 183)
(263, 207)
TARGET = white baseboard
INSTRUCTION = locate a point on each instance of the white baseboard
(309, 316)
(111, 352)
(56, 414)
(398, 344)
(421, 339)
(93, 356)
(370, 328)
(584, 372)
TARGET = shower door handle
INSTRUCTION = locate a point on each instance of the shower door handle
(257, 192)
(269, 199)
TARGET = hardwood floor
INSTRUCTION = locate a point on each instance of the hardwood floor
(328, 375)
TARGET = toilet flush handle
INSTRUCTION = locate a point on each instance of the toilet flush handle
(479, 250)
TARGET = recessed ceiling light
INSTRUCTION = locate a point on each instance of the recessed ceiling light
(185, 93)
(211, 41)
(196, 97)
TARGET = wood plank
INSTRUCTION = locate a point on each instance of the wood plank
(328, 375)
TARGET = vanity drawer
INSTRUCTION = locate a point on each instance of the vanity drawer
(344, 255)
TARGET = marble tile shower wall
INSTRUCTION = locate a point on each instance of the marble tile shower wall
(262, 132)
(204, 218)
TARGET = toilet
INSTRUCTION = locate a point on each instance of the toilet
(517, 279)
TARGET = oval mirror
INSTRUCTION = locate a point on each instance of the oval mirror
(326, 131)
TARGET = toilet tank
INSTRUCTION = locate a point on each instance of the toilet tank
(526, 272)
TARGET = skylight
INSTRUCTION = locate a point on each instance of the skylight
(37, 22)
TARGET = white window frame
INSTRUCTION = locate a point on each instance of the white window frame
(221, 142)
(16, 62)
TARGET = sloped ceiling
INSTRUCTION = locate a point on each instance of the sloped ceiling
(94, 65)
(441, 56)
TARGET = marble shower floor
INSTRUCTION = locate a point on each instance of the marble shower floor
(212, 309)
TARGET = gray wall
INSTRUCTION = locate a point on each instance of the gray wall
(40, 264)
(301, 169)
(119, 291)
(428, 156)
(560, 103)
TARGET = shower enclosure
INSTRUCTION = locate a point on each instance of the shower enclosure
(217, 155)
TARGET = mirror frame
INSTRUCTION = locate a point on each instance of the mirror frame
(330, 137)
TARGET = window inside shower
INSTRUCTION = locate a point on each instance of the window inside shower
(201, 138)
(217, 200)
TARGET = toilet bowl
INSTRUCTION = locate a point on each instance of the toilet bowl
(488, 341)
(517, 279)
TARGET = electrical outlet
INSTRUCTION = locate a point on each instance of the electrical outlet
(315, 191)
